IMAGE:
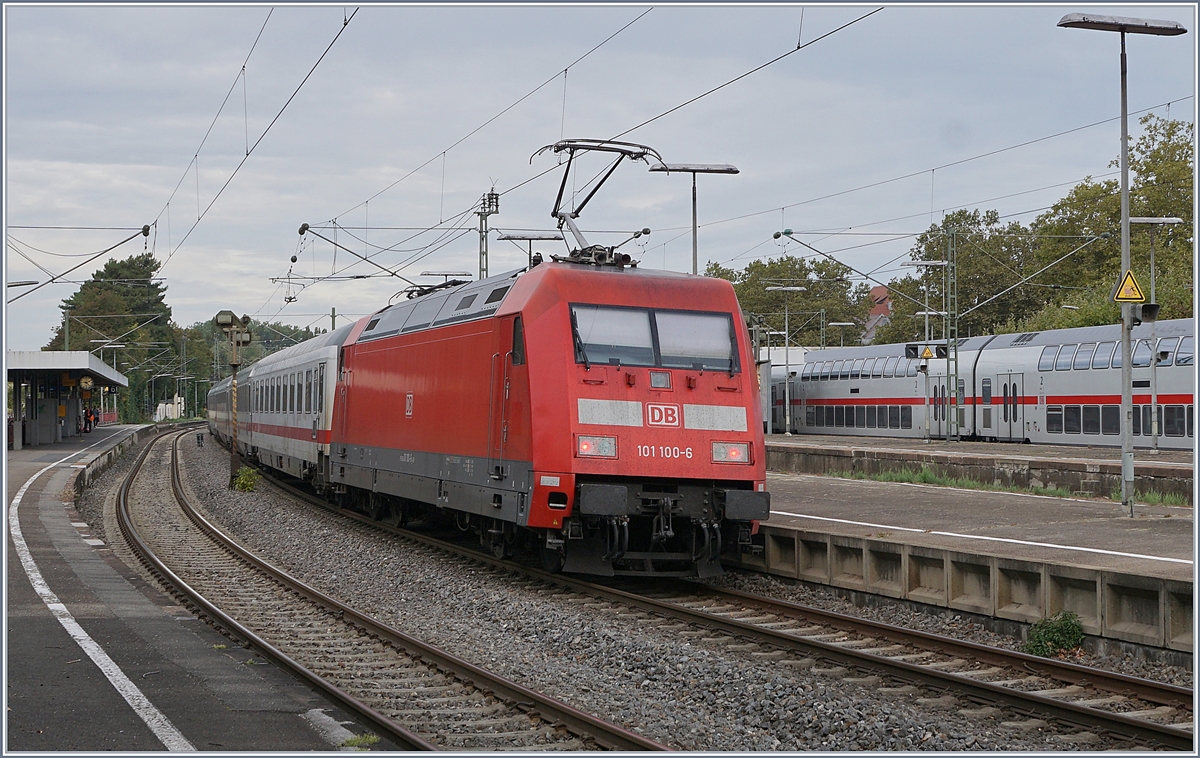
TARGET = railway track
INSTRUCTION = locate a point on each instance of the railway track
(417, 696)
(1022, 690)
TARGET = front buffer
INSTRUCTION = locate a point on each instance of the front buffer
(666, 528)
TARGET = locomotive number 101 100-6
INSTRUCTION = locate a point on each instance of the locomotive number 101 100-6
(661, 451)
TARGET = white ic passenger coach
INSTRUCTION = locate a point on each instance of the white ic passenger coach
(1060, 386)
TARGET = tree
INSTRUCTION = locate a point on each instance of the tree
(828, 287)
(1161, 165)
(990, 257)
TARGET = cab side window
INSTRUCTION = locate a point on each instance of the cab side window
(518, 343)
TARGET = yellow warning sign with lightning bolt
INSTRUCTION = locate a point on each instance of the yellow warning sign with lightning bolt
(927, 352)
(1128, 291)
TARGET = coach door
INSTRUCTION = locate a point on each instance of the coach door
(1010, 425)
(938, 424)
(509, 398)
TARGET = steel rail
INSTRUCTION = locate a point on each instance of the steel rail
(401, 736)
(578, 722)
(1023, 702)
(1145, 689)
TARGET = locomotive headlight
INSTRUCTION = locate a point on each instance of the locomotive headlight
(596, 447)
(730, 452)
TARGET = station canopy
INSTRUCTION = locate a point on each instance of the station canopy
(76, 363)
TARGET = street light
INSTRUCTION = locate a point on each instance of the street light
(693, 169)
(841, 334)
(1130, 26)
(1155, 222)
(925, 285)
(787, 361)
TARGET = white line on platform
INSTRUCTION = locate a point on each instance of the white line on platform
(162, 727)
(988, 539)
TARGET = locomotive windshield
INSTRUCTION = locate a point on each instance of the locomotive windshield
(653, 337)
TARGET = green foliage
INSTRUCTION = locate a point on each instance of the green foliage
(1050, 636)
(246, 479)
(926, 475)
(828, 287)
(360, 741)
(125, 302)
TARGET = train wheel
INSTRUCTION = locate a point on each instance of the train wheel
(552, 559)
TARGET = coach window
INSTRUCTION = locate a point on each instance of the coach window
(893, 416)
(518, 346)
(1176, 420)
(806, 374)
(1091, 419)
(1117, 358)
(1189, 421)
(856, 369)
(826, 368)
(889, 368)
(292, 394)
(1110, 419)
(1141, 354)
(1054, 419)
(836, 371)
(1046, 362)
(1071, 419)
(913, 365)
(1184, 356)
(829, 414)
(816, 417)
(1147, 415)
(877, 369)
(1137, 420)
(1167, 345)
(1104, 351)
(986, 389)
(906, 417)
(839, 415)
(845, 372)
(1065, 356)
(871, 415)
(308, 391)
(1083, 357)
(860, 416)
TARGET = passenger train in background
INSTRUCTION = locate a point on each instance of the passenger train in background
(1060, 386)
(605, 415)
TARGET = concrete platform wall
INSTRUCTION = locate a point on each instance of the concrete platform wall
(1089, 478)
(1136, 609)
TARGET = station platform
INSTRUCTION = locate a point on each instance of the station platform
(100, 660)
(1084, 471)
(1007, 555)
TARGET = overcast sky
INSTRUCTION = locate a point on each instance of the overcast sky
(105, 108)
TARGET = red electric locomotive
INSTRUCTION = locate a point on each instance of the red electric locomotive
(605, 414)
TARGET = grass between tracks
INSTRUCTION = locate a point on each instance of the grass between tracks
(926, 475)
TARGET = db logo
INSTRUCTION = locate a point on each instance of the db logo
(662, 415)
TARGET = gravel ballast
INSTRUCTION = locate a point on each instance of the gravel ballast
(688, 693)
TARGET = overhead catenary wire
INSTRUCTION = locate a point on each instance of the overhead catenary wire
(257, 142)
(521, 99)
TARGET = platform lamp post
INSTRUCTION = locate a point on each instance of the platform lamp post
(925, 285)
(531, 237)
(1124, 26)
(1155, 223)
(841, 330)
(769, 333)
(693, 169)
(787, 360)
(239, 336)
